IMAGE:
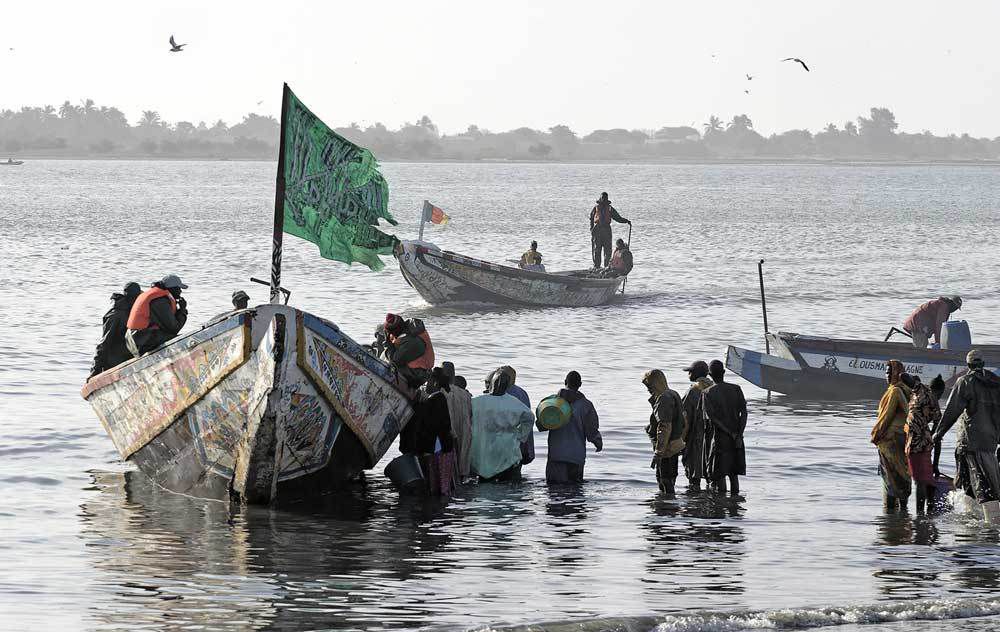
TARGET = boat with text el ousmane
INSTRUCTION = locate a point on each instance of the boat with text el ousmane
(272, 403)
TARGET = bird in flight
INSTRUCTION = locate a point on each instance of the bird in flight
(746, 92)
(259, 102)
(749, 77)
(796, 59)
(174, 46)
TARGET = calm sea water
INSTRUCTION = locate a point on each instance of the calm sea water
(86, 543)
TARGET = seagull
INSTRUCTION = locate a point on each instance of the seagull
(796, 59)
(259, 102)
(746, 92)
(749, 77)
(174, 46)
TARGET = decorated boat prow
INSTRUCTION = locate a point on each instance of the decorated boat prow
(266, 404)
(836, 368)
(441, 276)
(270, 404)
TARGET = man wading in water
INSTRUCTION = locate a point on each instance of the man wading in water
(725, 421)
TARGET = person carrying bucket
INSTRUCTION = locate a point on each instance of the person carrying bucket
(569, 436)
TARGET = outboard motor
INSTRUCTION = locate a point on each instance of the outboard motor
(955, 336)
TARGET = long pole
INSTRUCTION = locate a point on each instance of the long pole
(423, 218)
(763, 304)
(277, 231)
(630, 248)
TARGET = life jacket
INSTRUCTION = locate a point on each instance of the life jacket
(426, 361)
(602, 216)
(138, 318)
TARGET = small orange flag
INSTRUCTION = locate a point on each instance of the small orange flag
(434, 214)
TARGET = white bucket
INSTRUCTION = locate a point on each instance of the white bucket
(991, 511)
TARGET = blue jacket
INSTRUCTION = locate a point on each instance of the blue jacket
(569, 443)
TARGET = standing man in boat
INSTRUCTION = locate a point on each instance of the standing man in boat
(975, 404)
(111, 350)
(600, 229)
(694, 439)
(408, 347)
(157, 316)
(725, 421)
(926, 320)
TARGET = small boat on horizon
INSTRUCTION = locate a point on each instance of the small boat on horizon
(442, 276)
(12, 163)
(817, 367)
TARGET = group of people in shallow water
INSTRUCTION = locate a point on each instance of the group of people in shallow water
(457, 437)
(910, 427)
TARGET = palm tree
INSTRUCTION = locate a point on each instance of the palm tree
(740, 123)
(150, 118)
(713, 126)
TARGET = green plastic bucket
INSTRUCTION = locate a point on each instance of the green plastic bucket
(553, 412)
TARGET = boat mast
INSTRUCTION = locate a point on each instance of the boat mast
(423, 218)
(279, 205)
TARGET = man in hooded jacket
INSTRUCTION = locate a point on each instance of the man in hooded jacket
(975, 404)
(111, 350)
(666, 428)
(568, 443)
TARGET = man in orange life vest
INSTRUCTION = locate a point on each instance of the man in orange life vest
(157, 316)
(408, 347)
(600, 229)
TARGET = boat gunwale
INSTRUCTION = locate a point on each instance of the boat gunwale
(503, 270)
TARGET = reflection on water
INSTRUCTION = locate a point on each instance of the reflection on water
(103, 553)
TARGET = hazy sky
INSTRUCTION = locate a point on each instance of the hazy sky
(509, 64)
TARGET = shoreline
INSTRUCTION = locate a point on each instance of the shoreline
(28, 158)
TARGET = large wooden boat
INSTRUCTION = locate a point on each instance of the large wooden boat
(265, 404)
(441, 276)
(836, 368)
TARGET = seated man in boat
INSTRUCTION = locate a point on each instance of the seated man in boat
(157, 316)
(926, 320)
(241, 300)
(111, 350)
(408, 347)
(621, 260)
(532, 259)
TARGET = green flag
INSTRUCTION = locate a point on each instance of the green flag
(334, 193)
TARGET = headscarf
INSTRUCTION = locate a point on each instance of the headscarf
(896, 369)
(500, 383)
(511, 373)
(656, 381)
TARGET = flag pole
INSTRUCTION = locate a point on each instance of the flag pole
(277, 232)
(423, 218)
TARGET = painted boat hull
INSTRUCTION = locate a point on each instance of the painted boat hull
(446, 277)
(830, 368)
(264, 405)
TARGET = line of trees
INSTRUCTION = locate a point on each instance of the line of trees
(89, 130)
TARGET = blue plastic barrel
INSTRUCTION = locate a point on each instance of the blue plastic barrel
(955, 336)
